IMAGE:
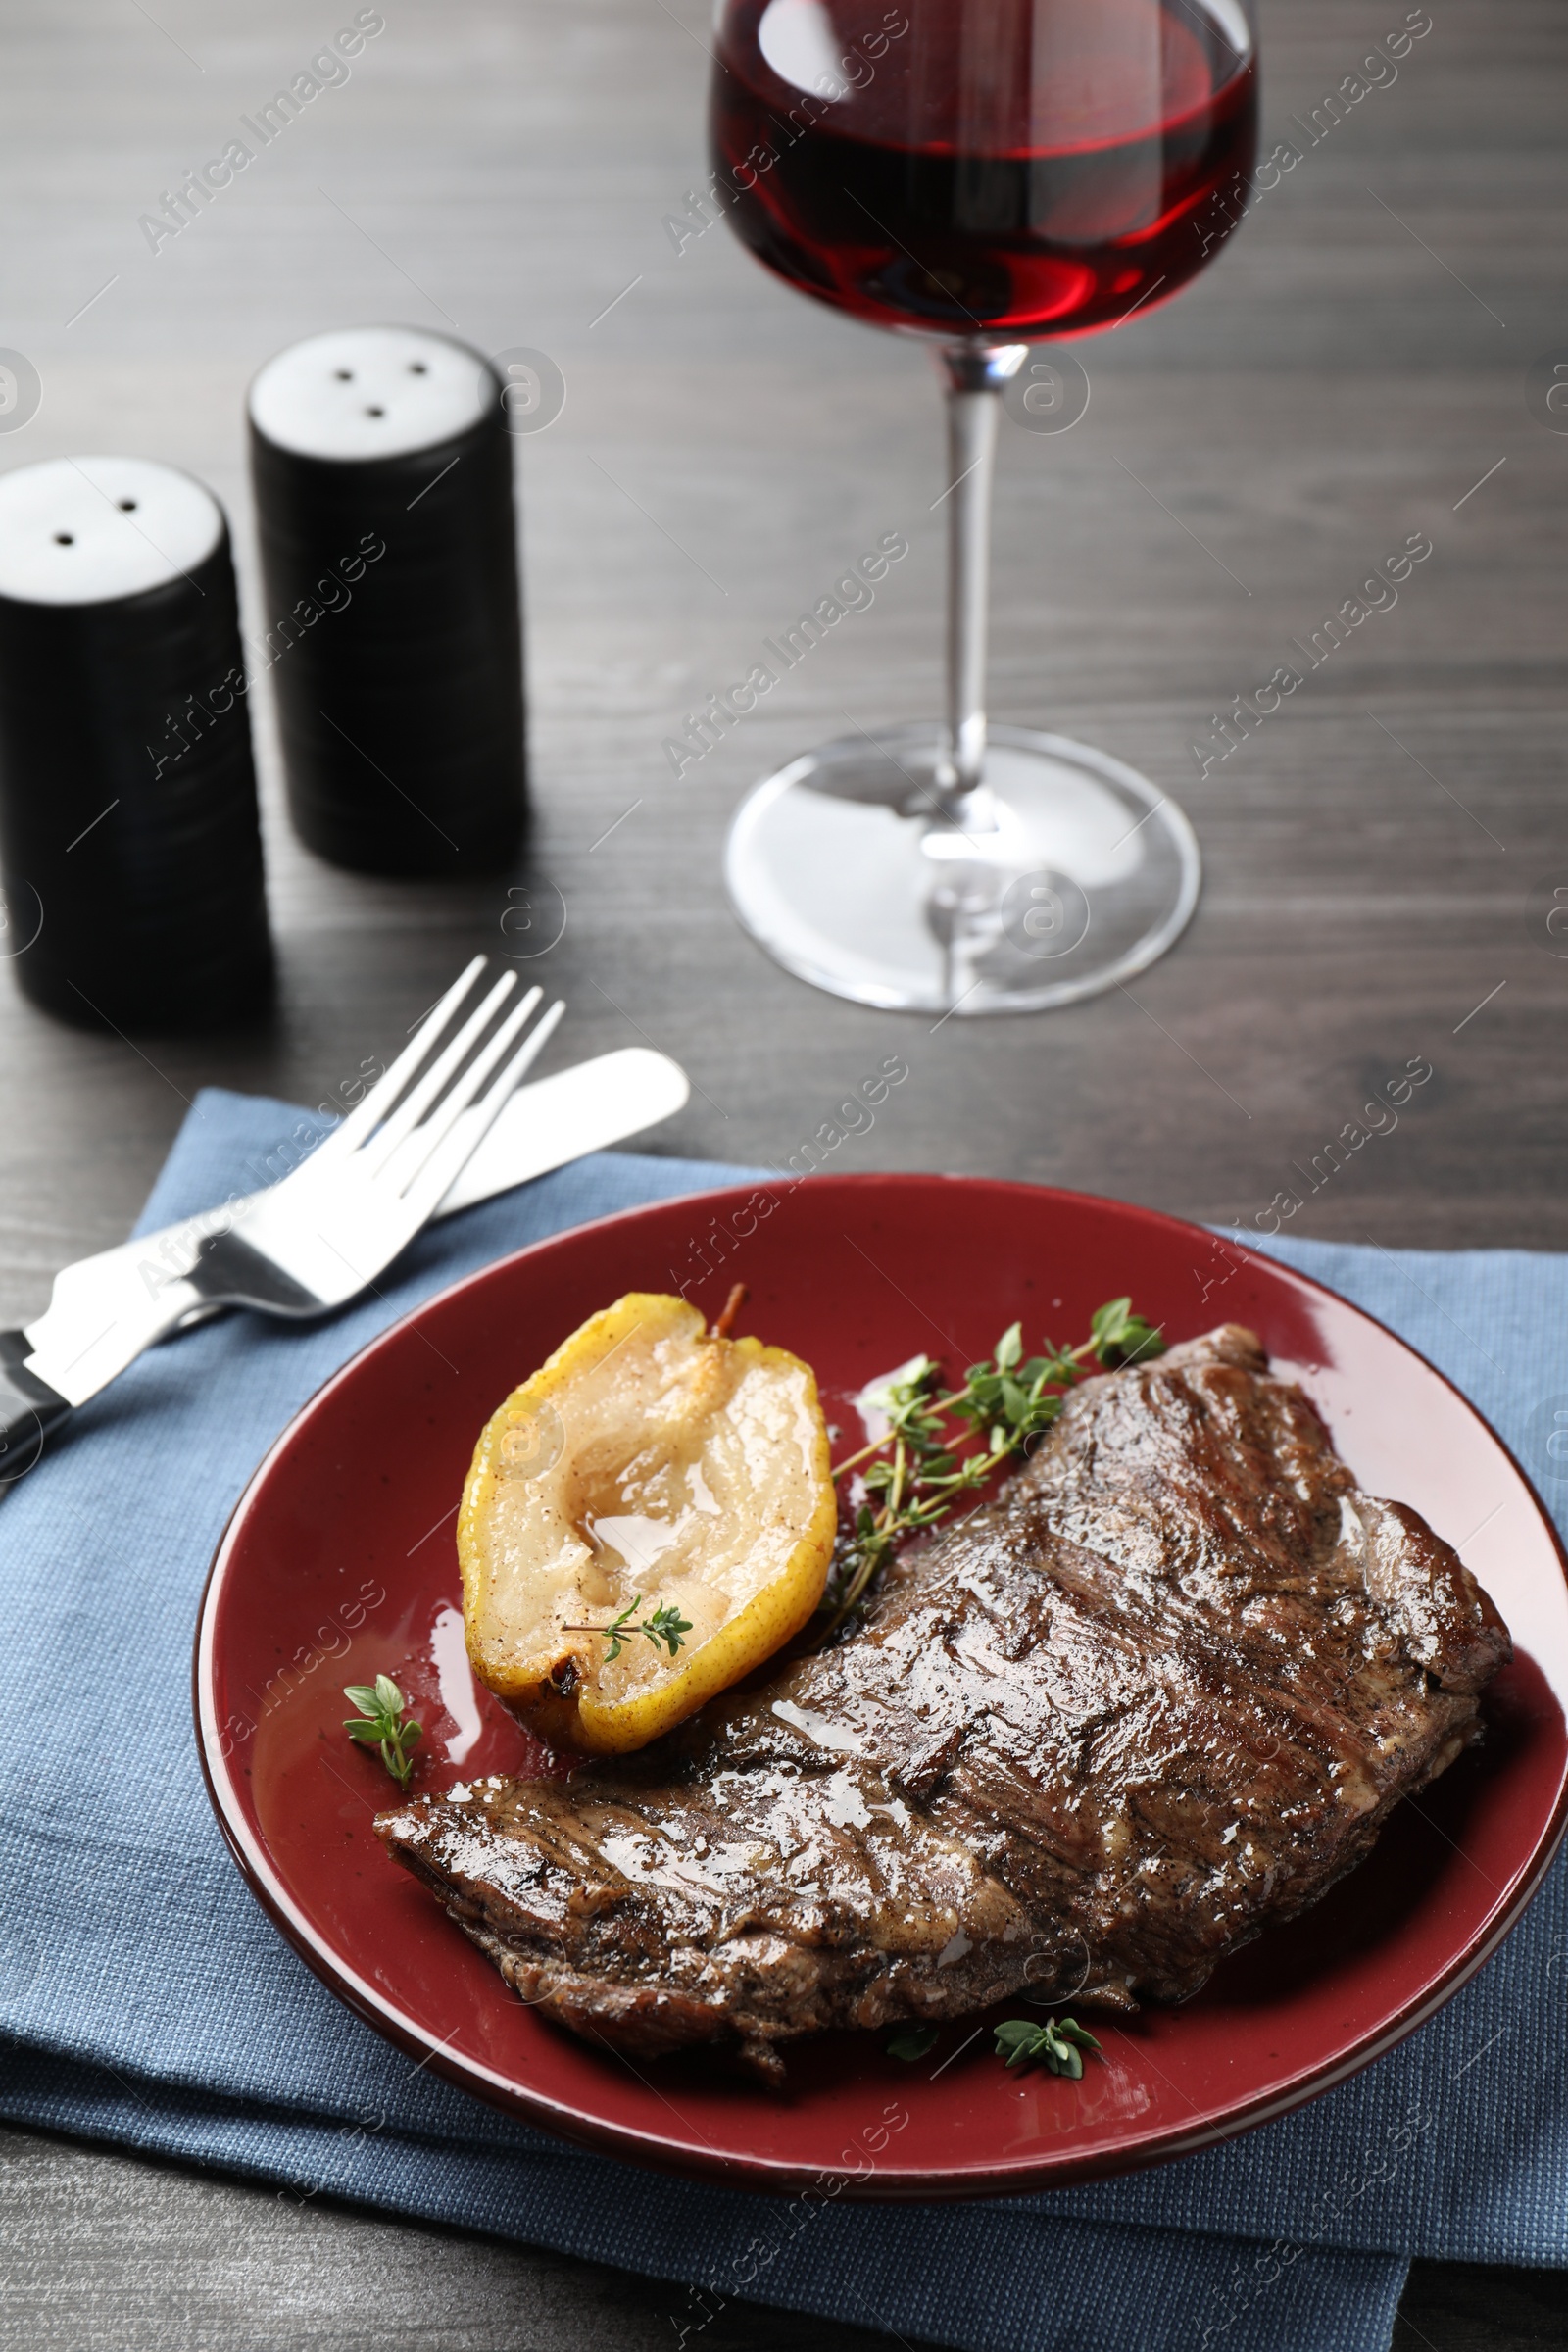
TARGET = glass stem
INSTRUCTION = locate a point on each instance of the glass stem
(975, 375)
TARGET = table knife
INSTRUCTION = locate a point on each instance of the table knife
(79, 1342)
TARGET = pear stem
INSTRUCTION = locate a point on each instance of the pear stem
(732, 1307)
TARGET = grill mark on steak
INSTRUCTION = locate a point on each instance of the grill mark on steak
(1161, 1692)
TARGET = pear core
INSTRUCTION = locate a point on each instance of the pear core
(650, 1458)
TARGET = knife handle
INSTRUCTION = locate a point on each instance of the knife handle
(30, 1408)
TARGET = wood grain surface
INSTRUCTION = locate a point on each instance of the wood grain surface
(1380, 855)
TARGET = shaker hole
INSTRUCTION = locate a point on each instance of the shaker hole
(417, 368)
(65, 538)
(128, 506)
(345, 376)
(375, 412)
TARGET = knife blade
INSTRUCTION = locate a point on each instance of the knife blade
(71, 1347)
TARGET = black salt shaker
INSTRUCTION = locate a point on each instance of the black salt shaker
(382, 469)
(130, 847)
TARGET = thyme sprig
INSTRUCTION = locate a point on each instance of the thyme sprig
(379, 1724)
(667, 1625)
(919, 1469)
(1058, 2045)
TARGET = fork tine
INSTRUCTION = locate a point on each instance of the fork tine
(382, 1096)
(467, 1130)
(431, 1087)
(454, 1100)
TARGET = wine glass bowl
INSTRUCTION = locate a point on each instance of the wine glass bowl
(996, 167)
(979, 173)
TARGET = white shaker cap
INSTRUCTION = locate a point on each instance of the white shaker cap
(88, 530)
(365, 392)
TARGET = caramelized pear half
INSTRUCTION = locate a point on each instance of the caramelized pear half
(649, 1460)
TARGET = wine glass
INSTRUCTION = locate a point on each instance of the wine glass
(986, 173)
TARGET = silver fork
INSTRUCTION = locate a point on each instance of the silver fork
(323, 1233)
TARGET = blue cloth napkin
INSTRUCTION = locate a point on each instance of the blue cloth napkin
(146, 2000)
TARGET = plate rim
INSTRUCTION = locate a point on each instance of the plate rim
(761, 2174)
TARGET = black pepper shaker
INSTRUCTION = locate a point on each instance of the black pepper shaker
(382, 469)
(130, 847)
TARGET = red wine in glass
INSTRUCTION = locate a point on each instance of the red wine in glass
(1082, 188)
(985, 174)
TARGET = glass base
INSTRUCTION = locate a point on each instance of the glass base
(1062, 874)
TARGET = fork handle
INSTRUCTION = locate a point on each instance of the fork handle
(30, 1408)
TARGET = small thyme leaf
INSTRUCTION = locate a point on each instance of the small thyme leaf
(1122, 1337)
(913, 2042)
(1109, 1317)
(379, 1724)
(1015, 2038)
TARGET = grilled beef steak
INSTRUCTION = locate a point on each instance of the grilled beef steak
(1164, 1691)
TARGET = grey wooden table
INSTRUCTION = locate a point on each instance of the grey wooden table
(1380, 855)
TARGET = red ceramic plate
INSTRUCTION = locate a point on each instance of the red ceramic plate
(340, 1560)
